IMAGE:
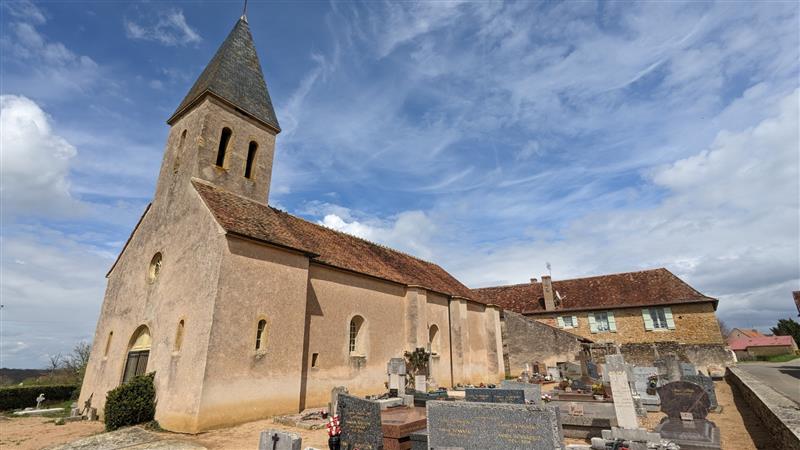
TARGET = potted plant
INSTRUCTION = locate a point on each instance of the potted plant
(652, 384)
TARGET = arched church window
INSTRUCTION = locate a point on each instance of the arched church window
(224, 139)
(356, 338)
(138, 354)
(433, 338)
(179, 337)
(261, 334)
(251, 158)
(155, 267)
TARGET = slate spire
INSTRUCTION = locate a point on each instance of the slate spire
(234, 76)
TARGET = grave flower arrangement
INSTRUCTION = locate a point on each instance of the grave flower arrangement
(547, 398)
(599, 389)
(334, 430)
(652, 384)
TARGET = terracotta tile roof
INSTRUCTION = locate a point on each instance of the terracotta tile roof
(245, 217)
(633, 289)
(761, 341)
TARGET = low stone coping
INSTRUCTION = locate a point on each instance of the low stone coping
(779, 414)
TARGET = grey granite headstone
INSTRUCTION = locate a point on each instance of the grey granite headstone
(591, 369)
(641, 376)
(687, 369)
(708, 384)
(495, 395)
(279, 440)
(533, 391)
(361, 424)
(683, 397)
(493, 426)
(554, 373)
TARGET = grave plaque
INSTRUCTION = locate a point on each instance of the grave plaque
(641, 381)
(279, 440)
(683, 396)
(690, 435)
(575, 409)
(533, 391)
(708, 385)
(493, 426)
(516, 396)
(361, 424)
(687, 369)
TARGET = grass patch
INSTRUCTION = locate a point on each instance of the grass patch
(775, 358)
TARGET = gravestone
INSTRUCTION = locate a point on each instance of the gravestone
(569, 370)
(687, 369)
(683, 396)
(554, 373)
(591, 370)
(669, 368)
(686, 405)
(708, 384)
(641, 379)
(493, 426)
(533, 391)
(516, 396)
(396, 369)
(332, 406)
(279, 440)
(39, 401)
(624, 407)
(361, 424)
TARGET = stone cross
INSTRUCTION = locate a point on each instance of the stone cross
(333, 408)
(624, 407)
(279, 440)
(39, 401)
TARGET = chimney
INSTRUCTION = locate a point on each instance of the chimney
(534, 280)
(547, 289)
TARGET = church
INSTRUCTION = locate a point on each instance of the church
(244, 311)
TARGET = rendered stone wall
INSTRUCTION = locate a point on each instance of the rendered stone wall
(777, 413)
(526, 340)
(695, 323)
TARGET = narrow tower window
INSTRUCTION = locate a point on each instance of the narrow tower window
(223, 146)
(179, 153)
(178, 337)
(262, 325)
(251, 159)
(108, 343)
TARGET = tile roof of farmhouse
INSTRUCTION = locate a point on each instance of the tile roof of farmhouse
(632, 289)
(234, 75)
(254, 220)
(761, 341)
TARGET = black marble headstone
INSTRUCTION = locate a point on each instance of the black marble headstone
(493, 426)
(690, 435)
(516, 396)
(683, 397)
(361, 423)
(708, 385)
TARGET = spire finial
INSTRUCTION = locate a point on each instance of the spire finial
(244, 11)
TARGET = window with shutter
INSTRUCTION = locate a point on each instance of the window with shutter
(648, 322)
(612, 323)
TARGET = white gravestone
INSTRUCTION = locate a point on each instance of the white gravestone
(624, 407)
(39, 401)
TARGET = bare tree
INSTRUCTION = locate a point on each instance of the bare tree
(55, 362)
(79, 358)
(725, 329)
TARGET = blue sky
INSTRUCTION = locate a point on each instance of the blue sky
(488, 137)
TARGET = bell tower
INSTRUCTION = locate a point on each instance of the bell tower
(224, 130)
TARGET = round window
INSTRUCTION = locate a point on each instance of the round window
(155, 267)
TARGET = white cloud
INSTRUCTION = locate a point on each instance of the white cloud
(35, 161)
(169, 28)
(25, 10)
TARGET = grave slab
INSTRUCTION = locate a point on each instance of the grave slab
(516, 396)
(690, 435)
(533, 392)
(493, 426)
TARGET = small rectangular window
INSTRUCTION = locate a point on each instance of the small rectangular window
(659, 318)
(314, 357)
(601, 321)
(568, 322)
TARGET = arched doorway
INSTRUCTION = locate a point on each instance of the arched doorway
(138, 353)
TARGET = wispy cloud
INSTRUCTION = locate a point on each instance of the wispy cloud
(168, 28)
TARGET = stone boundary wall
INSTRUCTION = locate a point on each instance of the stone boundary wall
(779, 415)
(526, 340)
(703, 356)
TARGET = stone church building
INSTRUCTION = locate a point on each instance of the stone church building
(244, 311)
